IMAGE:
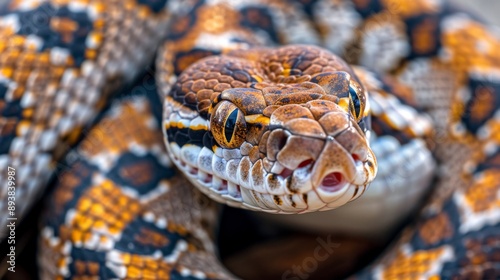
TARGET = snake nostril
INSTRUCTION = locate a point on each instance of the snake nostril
(305, 163)
(355, 157)
(282, 143)
(287, 172)
(332, 182)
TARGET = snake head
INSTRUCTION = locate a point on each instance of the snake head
(279, 144)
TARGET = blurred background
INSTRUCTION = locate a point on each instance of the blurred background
(487, 8)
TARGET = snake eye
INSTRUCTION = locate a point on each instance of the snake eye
(228, 125)
(357, 99)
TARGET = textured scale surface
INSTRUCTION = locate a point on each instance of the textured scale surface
(121, 209)
(291, 97)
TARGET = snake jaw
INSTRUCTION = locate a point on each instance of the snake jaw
(311, 152)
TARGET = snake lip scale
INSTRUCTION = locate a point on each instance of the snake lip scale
(229, 191)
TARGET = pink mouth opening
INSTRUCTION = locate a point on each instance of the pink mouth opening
(333, 182)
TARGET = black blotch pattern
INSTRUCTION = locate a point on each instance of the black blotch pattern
(389, 89)
(307, 6)
(157, 172)
(7, 110)
(485, 246)
(209, 141)
(3, 91)
(6, 141)
(178, 95)
(183, 136)
(196, 136)
(491, 162)
(421, 24)
(155, 5)
(478, 88)
(369, 7)
(12, 109)
(453, 214)
(259, 18)
(135, 228)
(381, 128)
(37, 22)
(186, 21)
(189, 57)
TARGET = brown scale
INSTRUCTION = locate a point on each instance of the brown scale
(149, 237)
(436, 229)
(200, 81)
(84, 269)
(139, 267)
(281, 63)
(210, 79)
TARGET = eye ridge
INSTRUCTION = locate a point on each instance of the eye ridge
(230, 124)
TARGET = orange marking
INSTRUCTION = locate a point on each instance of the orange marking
(482, 195)
(417, 264)
(91, 212)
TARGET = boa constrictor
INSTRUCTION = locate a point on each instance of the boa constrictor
(280, 130)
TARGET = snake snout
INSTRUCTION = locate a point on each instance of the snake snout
(324, 157)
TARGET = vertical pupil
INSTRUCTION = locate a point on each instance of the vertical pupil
(230, 125)
(355, 101)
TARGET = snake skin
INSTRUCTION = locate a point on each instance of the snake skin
(120, 209)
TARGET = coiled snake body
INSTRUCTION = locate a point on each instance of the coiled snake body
(290, 129)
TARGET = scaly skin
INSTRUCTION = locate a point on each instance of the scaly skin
(297, 143)
(118, 210)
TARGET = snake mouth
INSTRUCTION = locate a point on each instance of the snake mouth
(306, 174)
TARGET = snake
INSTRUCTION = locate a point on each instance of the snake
(132, 119)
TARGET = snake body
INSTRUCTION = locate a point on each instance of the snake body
(275, 129)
